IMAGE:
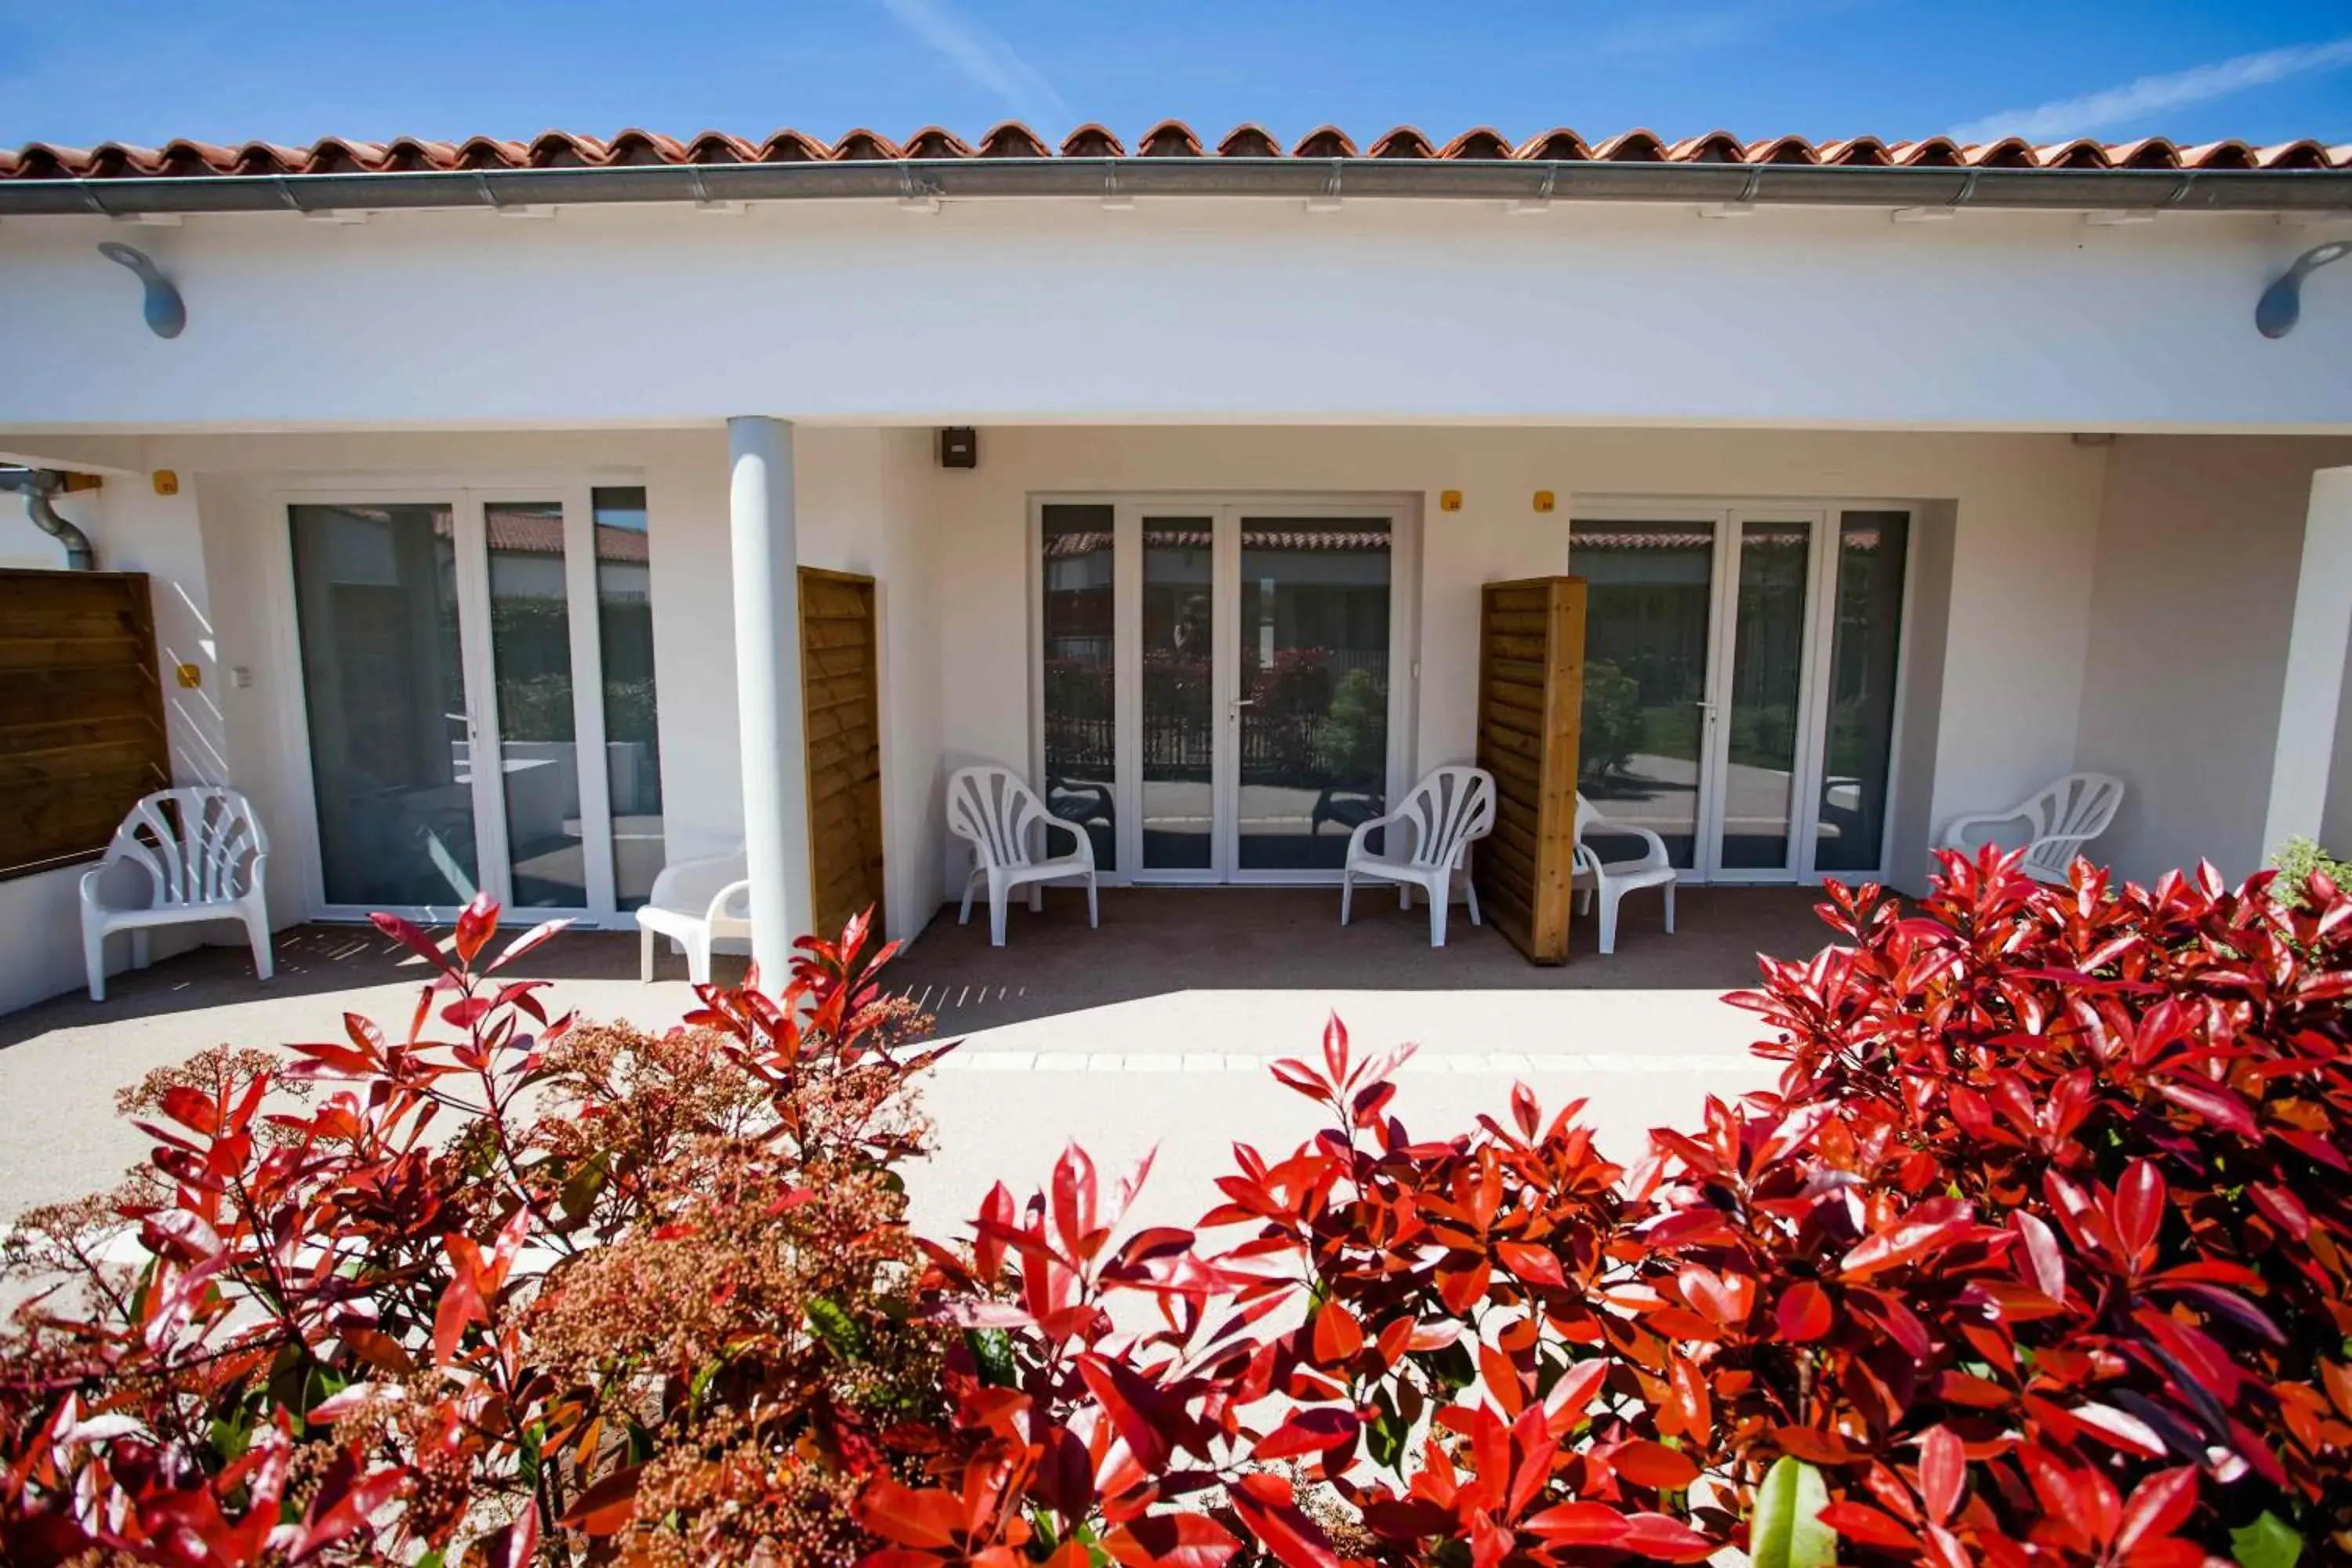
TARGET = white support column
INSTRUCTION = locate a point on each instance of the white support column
(2315, 666)
(767, 699)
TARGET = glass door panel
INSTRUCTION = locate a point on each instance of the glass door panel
(376, 607)
(1178, 775)
(1649, 608)
(1764, 702)
(1864, 640)
(1078, 682)
(538, 747)
(624, 645)
(1312, 693)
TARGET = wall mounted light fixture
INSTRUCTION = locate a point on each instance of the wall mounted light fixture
(2281, 305)
(166, 314)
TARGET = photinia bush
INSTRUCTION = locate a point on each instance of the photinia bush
(511, 1288)
(2036, 1254)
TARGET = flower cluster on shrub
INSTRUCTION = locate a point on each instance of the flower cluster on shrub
(2037, 1254)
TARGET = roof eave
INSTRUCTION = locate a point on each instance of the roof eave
(2205, 190)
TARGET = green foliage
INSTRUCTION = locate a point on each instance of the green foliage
(2297, 859)
(1352, 741)
(1786, 1531)
(1611, 725)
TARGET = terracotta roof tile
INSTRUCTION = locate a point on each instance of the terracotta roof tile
(1169, 138)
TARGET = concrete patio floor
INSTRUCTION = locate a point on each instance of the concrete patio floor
(1153, 1031)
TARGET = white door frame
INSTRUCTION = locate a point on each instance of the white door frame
(465, 498)
(1726, 518)
(1224, 509)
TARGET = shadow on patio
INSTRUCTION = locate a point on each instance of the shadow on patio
(1156, 941)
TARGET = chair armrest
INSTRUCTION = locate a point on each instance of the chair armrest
(718, 910)
(1086, 840)
(1951, 838)
(1363, 830)
(94, 885)
(1656, 855)
(689, 884)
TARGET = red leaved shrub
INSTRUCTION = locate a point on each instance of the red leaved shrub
(511, 1286)
(2037, 1254)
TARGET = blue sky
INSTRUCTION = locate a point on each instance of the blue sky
(227, 71)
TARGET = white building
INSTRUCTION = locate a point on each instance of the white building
(1905, 480)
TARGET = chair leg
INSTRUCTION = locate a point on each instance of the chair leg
(1036, 898)
(1404, 895)
(93, 958)
(1346, 894)
(141, 951)
(1094, 905)
(1470, 892)
(1670, 909)
(1437, 905)
(1608, 920)
(257, 931)
(644, 955)
(998, 896)
(698, 959)
(965, 918)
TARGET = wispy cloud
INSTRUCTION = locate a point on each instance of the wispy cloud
(986, 61)
(2134, 103)
(1690, 30)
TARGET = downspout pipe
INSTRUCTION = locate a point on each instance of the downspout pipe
(39, 486)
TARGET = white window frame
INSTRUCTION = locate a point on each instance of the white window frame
(1823, 515)
(1225, 508)
(466, 496)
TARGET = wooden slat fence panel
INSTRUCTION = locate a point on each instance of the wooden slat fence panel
(81, 712)
(840, 697)
(1530, 686)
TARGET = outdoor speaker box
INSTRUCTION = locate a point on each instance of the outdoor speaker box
(959, 447)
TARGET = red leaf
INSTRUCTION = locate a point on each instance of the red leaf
(607, 1507)
(1669, 1539)
(932, 1517)
(2044, 1264)
(1653, 1465)
(2158, 1506)
(1804, 1313)
(1267, 1506)
(1535, 1264)
(2139, 1211)
(515, 1546)
(476, 922)
(1943, 1472)
(1307, 1432)
(1579, 1524)
(1860, 1521)
(1338, 1336)
(1183, 1540)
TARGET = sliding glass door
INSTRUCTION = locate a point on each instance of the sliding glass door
(478, 694)
(1241, 717)
(1739, 683)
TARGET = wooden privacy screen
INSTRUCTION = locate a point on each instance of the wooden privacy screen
(839, 696)
(1530, 696)
(81, 712)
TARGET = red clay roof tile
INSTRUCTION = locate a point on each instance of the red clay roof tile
(1169, 138)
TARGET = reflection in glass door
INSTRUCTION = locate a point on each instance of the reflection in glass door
(1312, 695)
(1178, 773)
(384, 689)
(1763, 696)
(1244, 654)
(1649, 613)
(477, 691)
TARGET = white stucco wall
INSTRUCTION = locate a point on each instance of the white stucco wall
(2201, 543)
(2024, 519)
(1196, 310)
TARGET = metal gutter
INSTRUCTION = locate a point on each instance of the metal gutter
(1764, 184)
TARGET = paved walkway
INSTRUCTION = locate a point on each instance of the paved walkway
(1154, 1030)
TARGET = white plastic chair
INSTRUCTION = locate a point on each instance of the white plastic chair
(1448, 809)
(1610, 881)
(201, 859)
(993, 810)
(2062, 818)
(694, 903)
